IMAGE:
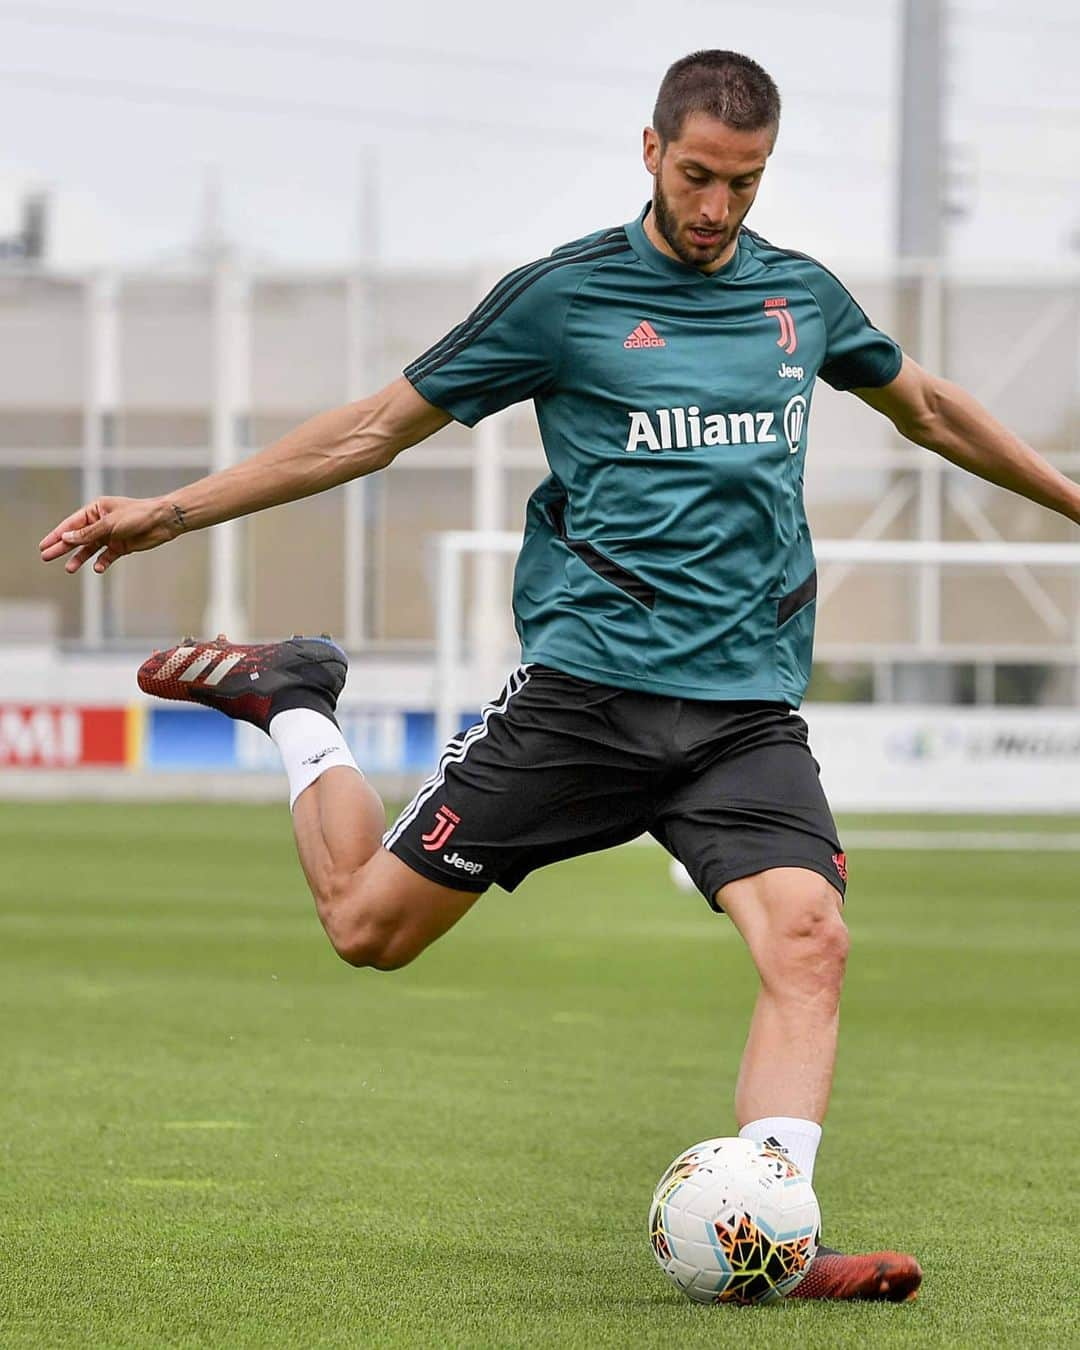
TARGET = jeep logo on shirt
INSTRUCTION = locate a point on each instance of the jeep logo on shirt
(687, 429)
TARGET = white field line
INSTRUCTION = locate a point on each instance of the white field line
(1028, 841)
(977, 841)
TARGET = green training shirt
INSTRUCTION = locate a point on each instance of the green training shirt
(668, 548)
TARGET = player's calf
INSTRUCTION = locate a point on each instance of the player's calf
(790, 918)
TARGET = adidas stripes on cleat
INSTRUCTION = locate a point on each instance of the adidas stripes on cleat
(885, 1277)
(252, 683)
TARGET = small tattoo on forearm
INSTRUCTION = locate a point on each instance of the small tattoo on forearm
(178, 515)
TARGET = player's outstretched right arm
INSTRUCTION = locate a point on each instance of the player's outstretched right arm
(321, 453)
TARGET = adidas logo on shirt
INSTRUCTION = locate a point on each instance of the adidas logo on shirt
(644, 335)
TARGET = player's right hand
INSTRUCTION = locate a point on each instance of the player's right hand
(110, 527)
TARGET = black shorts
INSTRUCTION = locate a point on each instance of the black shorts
(558, 766)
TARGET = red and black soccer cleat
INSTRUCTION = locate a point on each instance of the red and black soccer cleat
(889, 1277)
(252, 683)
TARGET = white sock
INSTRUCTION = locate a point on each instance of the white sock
(310, 744)
(799, 1137)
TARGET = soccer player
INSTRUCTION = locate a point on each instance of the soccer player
(664, 595)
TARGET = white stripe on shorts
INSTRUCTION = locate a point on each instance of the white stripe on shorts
(456, 749)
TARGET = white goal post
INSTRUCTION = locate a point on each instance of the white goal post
(454, 545)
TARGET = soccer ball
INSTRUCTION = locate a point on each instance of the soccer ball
(734, 1221)
(680, 877)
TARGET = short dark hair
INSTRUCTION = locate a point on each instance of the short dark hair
(726, 85)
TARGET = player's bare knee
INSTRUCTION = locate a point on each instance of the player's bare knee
(365, 952)
(359, 933)
(808, 946)
(832, 945)
(820, 944)
(371, 943)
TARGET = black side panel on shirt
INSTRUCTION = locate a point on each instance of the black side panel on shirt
(601, 564)
(790, 604)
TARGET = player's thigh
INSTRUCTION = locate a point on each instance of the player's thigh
(755, 805)
(555, 768)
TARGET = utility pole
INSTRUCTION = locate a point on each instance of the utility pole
(920, 205)
(230, 413)
(361, 374)
(212, 245)
(30, 243)
(920, 209)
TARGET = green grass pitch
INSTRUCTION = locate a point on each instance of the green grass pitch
(215, 1133)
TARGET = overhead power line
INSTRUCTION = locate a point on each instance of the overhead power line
(1003, 112)
(389, 119)
(1001, 21)
(388, 53)
(376, 116)
(107, 21)
(339, 48)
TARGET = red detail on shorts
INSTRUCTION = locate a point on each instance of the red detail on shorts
(446, 822)
(840, 861)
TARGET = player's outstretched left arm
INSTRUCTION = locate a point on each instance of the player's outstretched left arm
(322, 453)
(941, 416)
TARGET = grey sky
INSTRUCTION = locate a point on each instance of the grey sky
(498, 129)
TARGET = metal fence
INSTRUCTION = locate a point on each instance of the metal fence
(132, 383)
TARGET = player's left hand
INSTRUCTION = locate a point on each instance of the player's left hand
(109, 527)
